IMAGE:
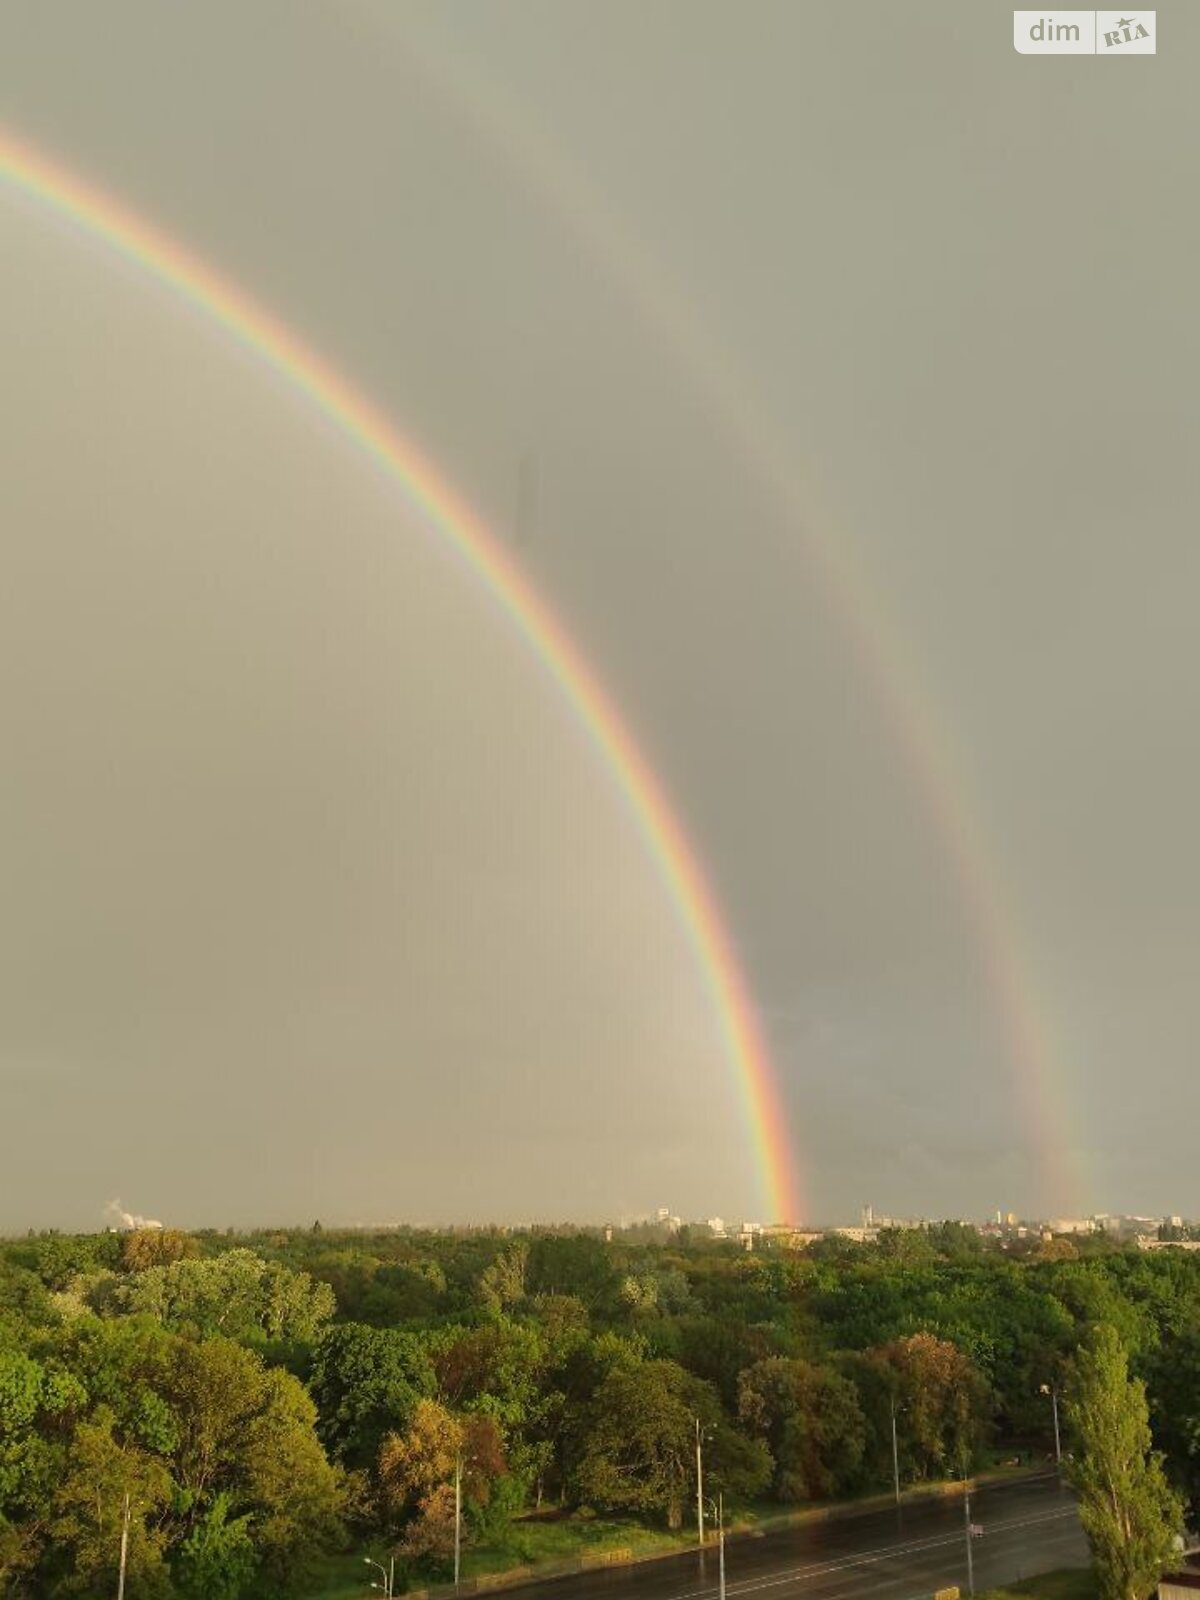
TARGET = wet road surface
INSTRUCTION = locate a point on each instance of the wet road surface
(1029, 1526)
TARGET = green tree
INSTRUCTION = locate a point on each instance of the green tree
(1174, 1393)
(287, 1482)
(22, 1381)
(416, 1472)
(942, 1397)
(36, 1409)
(811, 1421)
(217, 1559)
(1128, 1511)
(156, 1247)
(24, 1301)
(247, 1433)
(502, 1286)
(574, 1265)
(366, 1383)
(236, 1294)
(638, 1444)
(496, 1369)
(410, 1291)
(62, 1257)
(88, 1510)
(119, 1363)
(212, 1422)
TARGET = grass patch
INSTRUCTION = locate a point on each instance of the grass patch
(1075, 1584)
(536, 1542)
(341, 1577)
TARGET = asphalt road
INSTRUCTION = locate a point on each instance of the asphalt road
(1029, 1526)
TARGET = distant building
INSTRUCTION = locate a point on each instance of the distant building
(716, 1226)
(789, 1238)
(873, 1222)
(1071, 1225)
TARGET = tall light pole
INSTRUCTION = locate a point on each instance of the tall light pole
(388, 1584)
(126, 1515)
(967, 1528)
(457, 1516)
(895, 1451)
(1052, 1390)
(721, 1545)
(718, 1510)
(699, 1485)
(470, 1459)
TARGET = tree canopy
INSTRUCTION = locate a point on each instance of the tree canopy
(264, 1398)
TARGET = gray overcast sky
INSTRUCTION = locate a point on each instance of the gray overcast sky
(314, 901)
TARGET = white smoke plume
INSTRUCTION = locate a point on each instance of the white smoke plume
(118, 1217)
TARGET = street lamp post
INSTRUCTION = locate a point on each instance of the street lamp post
(126, 1518)
(1052, 1390)
(895, 1451)
(387, 1585)
(969, 1532)
(721, 1545)
(461, 1461)
(457, 1516)
(699, 1484)
(717, 1507)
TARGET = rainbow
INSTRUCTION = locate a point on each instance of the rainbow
(30, 173)
(938, 774)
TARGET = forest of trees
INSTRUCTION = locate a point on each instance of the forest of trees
(256, 1400)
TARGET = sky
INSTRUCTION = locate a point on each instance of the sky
(854, 355)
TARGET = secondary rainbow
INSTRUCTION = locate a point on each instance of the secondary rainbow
(33, 174)
(1047, 1094)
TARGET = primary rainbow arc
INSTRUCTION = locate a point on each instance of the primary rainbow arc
(32, 174)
